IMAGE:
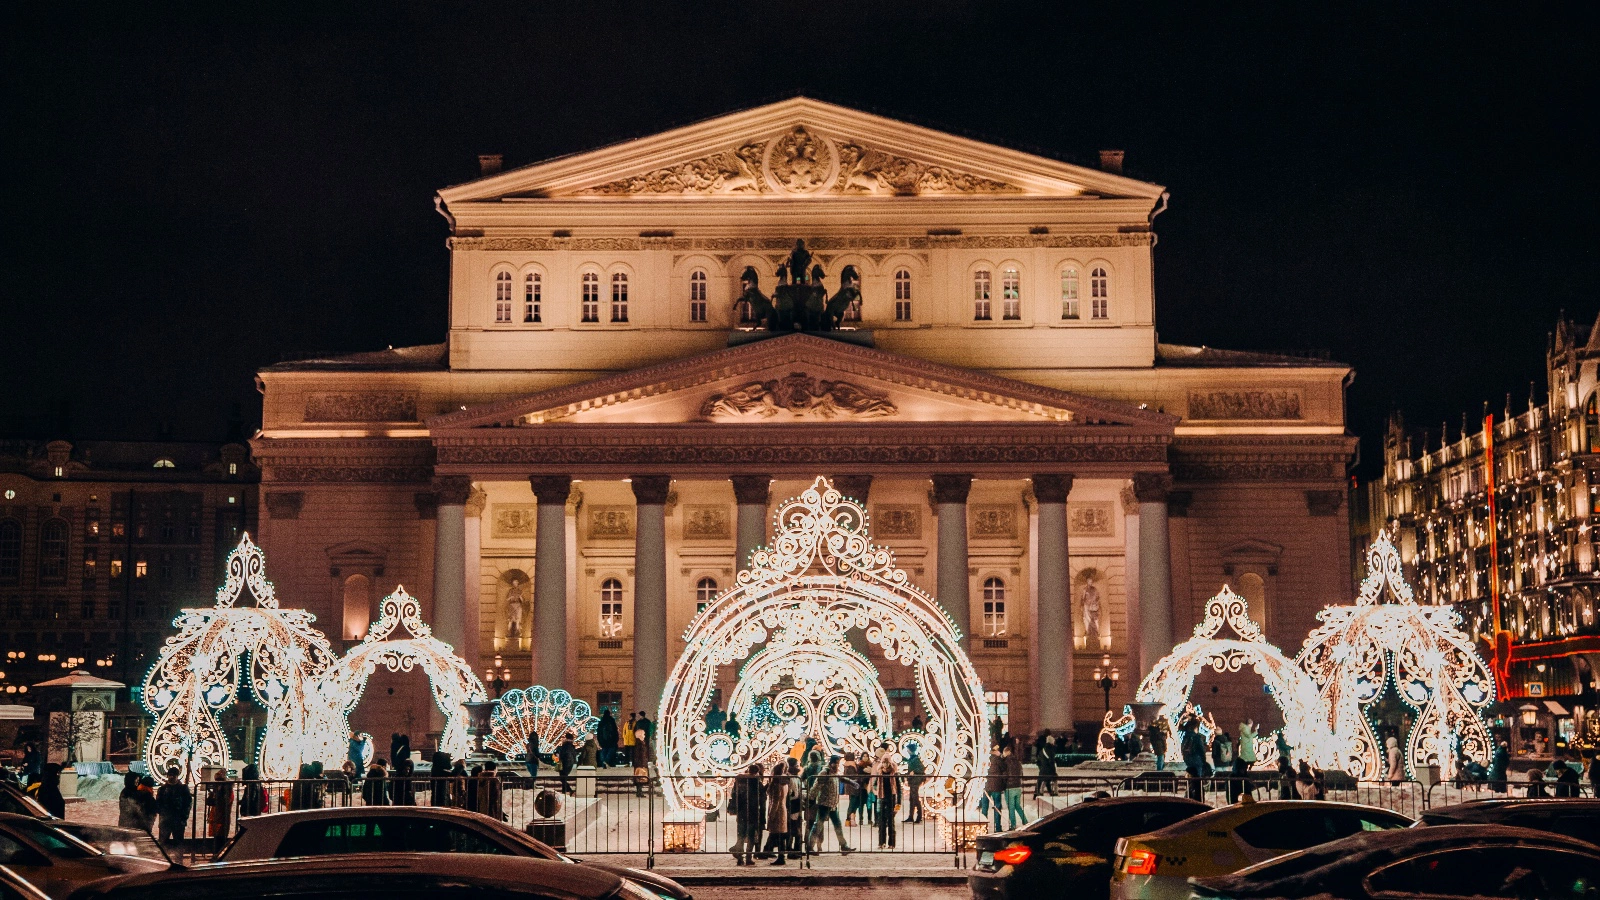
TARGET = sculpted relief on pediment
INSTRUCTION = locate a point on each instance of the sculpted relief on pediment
(796, 396)
(799, 162)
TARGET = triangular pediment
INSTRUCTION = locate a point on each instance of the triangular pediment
(799, 148)
(799, 378)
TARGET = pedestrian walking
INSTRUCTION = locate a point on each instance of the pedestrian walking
(888, 798)
(219, 811)
(795, 804)
(1015, 815)
(748, 805)
(402, 792)
(777, 792)
(531, 757)
(252, 795)
(567, 757)
(824, 794)
(1044, 756)
(1195, 765)
(1243, 761)
(607, 735)
(399, 748)
(374, 790)
(994, 786)
(128, 812)
(917, 775)
(148, 808)
(641, 761)
(1498, 763)
(491, 796)
(49, 795)
(439, 782)
(1157, 735)
(173, 802)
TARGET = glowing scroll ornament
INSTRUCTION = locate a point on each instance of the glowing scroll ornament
(452, 681)
(537, 710)
(1387, 641)
(820, 578)
(276, 652)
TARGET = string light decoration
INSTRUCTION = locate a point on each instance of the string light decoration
(1171, 681)
(1387, 641)
(538, 710)
(452, 681)
(819, 578)
(276, 652)
(827, 692)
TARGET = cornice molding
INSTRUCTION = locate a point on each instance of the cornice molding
(821, 244)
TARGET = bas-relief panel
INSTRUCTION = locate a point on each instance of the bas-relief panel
(1246, 405)
(513, 520)
(994, 521)
(1091, 520)
(341, 407)
(897, 522)
(610, 522)
(703, 522)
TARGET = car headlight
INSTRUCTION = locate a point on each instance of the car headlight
(632, 890)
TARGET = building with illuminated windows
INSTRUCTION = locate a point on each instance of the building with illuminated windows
(597, 444)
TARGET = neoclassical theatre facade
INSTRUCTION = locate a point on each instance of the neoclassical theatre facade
(597, 446)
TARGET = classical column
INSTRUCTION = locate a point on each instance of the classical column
(751, 493)
(1155, 566)
(550, 580)
(650, 591)
(449, 557)
(1054, 688)
(950, 506)
(472, 581)
(1137, 665)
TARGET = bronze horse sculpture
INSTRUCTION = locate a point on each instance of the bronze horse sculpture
(799, 302)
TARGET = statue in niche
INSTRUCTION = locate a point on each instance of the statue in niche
(516, 607)
(799, 302)
(1090, 598)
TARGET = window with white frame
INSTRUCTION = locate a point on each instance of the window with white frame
(705, 591)
(1011, 294)
(994, 607)
(590, 311)
(1069, 292)
(532, 298)
(697, 296)
(619, 296)
(982, 281)
(902, 295)
(502, 298)
(1099, 293)
(610, 609)
(998, 704)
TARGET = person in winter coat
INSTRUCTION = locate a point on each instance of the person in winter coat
(824, 795)
(148, 808)
(777, 795)
(796, 806)
(374, 790)
(399, 748)
(439, 782)
(1394, 769)
(1222, 752)
(174, 801)
(128, 812)
(607, 736)
(854, 785)
(748, 805)
(402, 792)
(641, 761)
(918, 775)
(889, 797)
(530, 757)
(1193, 747)
(32, 762)
(1497, 767)
(567, 756)
(219, 811)
(1044, 756)
(252, 796)
(1016, 817)
(50, 791)
(1243, 761)
(1157, 735)
(994, 785)
(1536, 789)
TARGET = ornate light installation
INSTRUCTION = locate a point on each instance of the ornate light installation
(1171, 680)
(1389, 641)
(819, 578)
(276, 652)
(453, 682)
(537, 710)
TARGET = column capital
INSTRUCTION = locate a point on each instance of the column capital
(1152, 487)
(452, 490)
(475, 502)
(552, 489)
(1052, 488)
(752, 489)
(651, 489)
(856, 487)
(951, 488)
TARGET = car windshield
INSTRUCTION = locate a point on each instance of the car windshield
(56, 843)
(23, 805)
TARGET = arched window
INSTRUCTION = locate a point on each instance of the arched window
(1253, 588)
(1099, 293)
(981, 283)
(164, 463)
(619, 296)
(53, 550)
(1069, 292)
(902, 295)
(10, 549)
(357, 607)
(591, 297)
(1011, 294)
(705, 590)
(532, 297)
(502, 298)
(610, 609)
(697, 295)
(994, 606)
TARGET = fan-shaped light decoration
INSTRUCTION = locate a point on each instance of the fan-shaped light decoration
(276, 651)
(1171, 680)
(819, 578)
(828, 692)
(1389, 641)
(536, 710)
(452, 681)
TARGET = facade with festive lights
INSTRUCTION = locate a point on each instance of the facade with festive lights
(599, 445)
(1498, 520)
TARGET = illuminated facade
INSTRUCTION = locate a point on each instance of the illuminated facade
(595, 450)
(1498, 522)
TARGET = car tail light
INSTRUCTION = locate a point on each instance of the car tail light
(1013, 856)
(1140, 862)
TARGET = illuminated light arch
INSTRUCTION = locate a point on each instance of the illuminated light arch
(1171, 681)
(451, 680)
(1389, 641)
(538, 710)
(276, 651)
(819, 578)
(815, 690)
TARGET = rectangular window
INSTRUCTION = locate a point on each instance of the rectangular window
(1069, 293)
(611, 700)
(86, 609)
(113, 609)
(697, 296)
(1099, 294)
(591, 297)
(1011, 294)
(194, 532)
(994, 618)
(999, 707)
(902, 296)
(532, 297)
(610, 619)
(980, 295)
(119, 529)
(619, 297)
(169, 532)
(138, 607)
(141, 569)
(88, 565)
(192, 567)
(116, 567)
(502, 298)
(91, 524)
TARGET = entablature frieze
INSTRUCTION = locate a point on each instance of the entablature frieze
(316, 460)
(1062, 240)
(1263, 458)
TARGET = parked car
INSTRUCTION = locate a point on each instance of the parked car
(108, 838)
(57, 862)
(1444, 861)
(388, 876)
(1068, 853)
(15, 887)
(1158, 865)
(1575, 818)
(407, 829)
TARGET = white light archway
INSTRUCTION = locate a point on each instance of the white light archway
(452, 681)
(819, 578)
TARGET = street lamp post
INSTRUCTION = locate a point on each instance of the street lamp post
(1106, 675)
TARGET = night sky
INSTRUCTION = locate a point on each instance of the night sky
(189, 198)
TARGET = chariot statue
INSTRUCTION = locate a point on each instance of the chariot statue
(799, 302)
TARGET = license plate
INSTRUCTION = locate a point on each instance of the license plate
(986, 859)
